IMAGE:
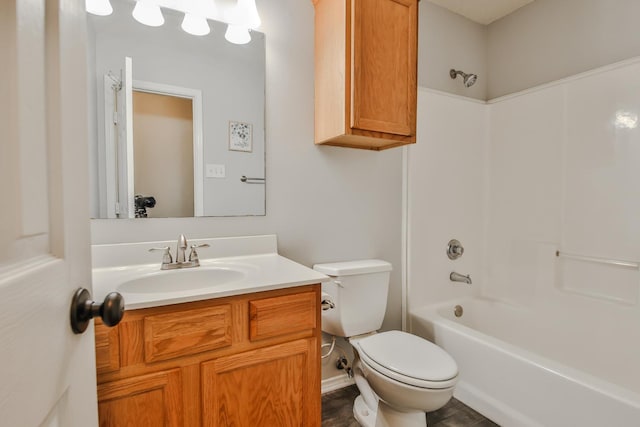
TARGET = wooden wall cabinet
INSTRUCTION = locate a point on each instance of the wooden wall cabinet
(366, 72)
(247, 360)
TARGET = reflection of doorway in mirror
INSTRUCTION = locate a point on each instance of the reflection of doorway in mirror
(163, 135)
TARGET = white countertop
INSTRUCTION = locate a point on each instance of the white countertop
(260, 272)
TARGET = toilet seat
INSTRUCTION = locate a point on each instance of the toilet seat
(408, 359)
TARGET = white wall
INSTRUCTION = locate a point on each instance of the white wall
(446, 196)
(445, 41)
(551, 39)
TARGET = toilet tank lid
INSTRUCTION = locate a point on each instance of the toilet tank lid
(348, 268)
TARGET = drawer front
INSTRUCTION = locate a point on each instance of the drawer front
(271, 317)
(182, 333)
(107, 348)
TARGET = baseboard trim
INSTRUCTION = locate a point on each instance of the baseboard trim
(336, 383)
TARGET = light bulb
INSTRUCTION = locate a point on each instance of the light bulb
(195, 24)
(237, 35)
(148, 13)
(98, 7)
(244, 14)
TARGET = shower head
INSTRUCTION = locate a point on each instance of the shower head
(467, 79)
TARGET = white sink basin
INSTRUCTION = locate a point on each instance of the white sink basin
(229, 266)
(181, 280)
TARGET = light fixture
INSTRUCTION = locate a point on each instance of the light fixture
(195, 21)
(237, 35)
(244, 14)
(148, 12)
(98, 7)
(195, 24)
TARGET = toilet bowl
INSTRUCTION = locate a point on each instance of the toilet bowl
(400, 376)
(407, 375)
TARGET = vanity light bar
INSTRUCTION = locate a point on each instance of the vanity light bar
(241, 18)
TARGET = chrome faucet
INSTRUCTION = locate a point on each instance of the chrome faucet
(181, 249)
(457, 277)
(181, 259)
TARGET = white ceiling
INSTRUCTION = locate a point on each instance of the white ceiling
(482, 11)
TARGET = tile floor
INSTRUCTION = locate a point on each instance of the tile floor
(337, 411)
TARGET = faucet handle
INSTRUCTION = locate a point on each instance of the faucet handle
(454, 249)
(166, 256)
(193, 255)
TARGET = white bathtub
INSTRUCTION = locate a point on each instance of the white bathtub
(523, 369)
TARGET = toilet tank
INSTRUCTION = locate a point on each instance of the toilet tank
(359, 291)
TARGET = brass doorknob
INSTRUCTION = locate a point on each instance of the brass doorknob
(83, 309)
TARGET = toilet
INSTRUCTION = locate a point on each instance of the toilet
(400, 376)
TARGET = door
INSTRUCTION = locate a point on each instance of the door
(125, 142)
(47, 374)
(118, 140)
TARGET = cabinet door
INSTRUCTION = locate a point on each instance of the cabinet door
(385, 66)
(145, 401)
(276, 386)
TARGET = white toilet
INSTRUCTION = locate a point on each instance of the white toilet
(400, 376)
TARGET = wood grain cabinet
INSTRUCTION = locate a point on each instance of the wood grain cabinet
(366, 72)
(248, 360)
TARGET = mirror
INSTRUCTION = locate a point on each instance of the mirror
(177, 121)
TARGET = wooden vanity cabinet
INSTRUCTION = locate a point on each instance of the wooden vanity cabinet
(366, 72)
(246, 360)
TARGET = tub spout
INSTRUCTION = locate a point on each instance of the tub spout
(457, 277)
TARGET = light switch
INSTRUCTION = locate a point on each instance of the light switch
(215, 171)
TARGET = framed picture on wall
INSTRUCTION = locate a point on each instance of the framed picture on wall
(240, 136)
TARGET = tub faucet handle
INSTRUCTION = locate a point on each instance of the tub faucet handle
(455, 249)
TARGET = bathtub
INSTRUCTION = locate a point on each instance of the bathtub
(522, 369)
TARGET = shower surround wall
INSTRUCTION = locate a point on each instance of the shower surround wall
(446, 185)
(519, 178)
(564, 176)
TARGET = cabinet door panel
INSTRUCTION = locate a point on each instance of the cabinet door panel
(385, 65)
(273, 386)
(145, 401)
